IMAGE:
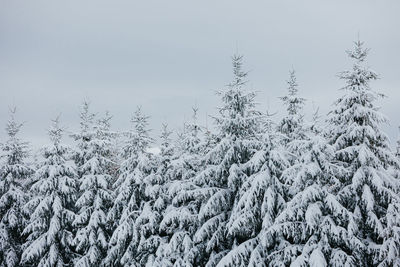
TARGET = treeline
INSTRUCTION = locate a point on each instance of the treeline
(255, 192)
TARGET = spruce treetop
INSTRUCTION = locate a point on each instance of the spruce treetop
(15, 149)
(55, 132)
(293, 103)
(237, 114)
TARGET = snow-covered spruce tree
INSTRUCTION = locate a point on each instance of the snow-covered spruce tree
(13, 175)
(292, 125)
(84, 136)
(129, 189)
(156, 201)
(95, 196)
(180, 216)
(223, 176)
(389, 254)
(313, 229)
(315, 124)
(50, 240)
(368, 187)
(260, 199)
(103, 132)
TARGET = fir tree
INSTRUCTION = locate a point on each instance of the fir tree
(368, 187)
(180, 216)
(13, 176)
(292, 125)
(389, 254)
(260, 199)
(84, 136)
(313, 229)
(129, 190)
(95, 196)
(156, 201)
(50, 239)
(223, 175)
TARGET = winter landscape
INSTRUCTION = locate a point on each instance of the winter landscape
(255, 192)
(249, 185)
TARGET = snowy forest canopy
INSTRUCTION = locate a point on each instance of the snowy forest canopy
(255, 191)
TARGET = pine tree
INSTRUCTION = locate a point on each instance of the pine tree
(129, 188)
(13, 176)
(223, 176)
(368, 187)
(50, 239)
(95, 178)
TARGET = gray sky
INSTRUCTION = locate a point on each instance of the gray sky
(170, 55)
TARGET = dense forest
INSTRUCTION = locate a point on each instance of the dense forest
(254, 191)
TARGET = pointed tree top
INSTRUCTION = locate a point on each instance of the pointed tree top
(292, 102)
(359, 53)
(140, 121)
(165, 133)
(165, 140)
(55, 131)
(292, 82)
(13, 126)
(105, 122)
(269, 122)
(86, 116)
(194, 116)
(239, 74)
(138, 116)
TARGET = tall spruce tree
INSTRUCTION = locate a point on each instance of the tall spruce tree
(260, 199)
(129, 188)
(368, 187)
(94, 165)
(13, 177)
(50, 240)
(220, 181)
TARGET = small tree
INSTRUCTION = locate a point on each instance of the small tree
(84, 136)
(13, 176)
(156, 201)
(95, 196)
(129, 188)
(292, 125)
(50, 239)
(180, 215)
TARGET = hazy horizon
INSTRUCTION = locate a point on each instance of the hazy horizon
(170, 56)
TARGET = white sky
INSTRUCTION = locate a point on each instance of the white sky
(170, 55)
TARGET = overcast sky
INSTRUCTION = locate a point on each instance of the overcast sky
(170, 55)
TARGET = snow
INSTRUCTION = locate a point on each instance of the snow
(255, 192)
